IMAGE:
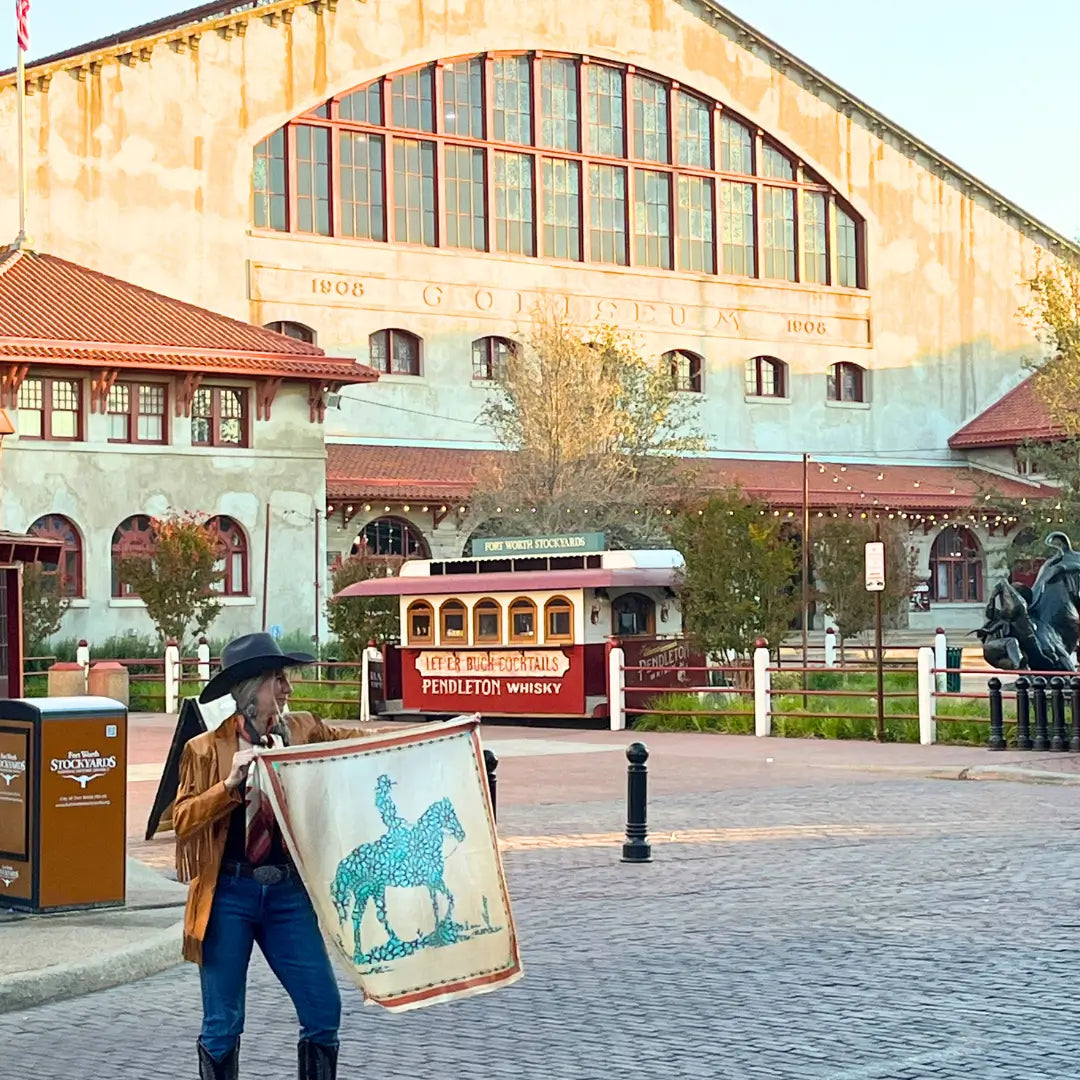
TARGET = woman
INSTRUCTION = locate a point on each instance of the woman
(243, 886)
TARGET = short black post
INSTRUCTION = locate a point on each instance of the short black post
(1074, 742)
(491, 763)
(1042, 741)
(1059, 740)
(997, 726)
(636, 848)
(1023, 714)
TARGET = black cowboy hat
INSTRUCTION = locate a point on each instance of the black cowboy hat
(247, 657)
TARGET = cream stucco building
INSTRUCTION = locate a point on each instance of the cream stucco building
(401, 180)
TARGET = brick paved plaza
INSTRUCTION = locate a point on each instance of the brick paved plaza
(827, 924)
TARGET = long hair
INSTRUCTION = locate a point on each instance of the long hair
(244, 694)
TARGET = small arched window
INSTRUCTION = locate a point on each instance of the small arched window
(452, 623)
(846, 382)
(558, 620)
(956, 567)
(391, 536)
(632, 614)
(395, 352)
(487, 622)
(132, 537)
(686, 368)
(490, 356)
(420, 623)
(522, 621)
(233, 560)
(69, 571)
(297, 331)
(766, 376)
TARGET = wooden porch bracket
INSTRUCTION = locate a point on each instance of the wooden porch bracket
(265, 392)
(317, 394)
(100, 386)
(10, 382)
(184, 392)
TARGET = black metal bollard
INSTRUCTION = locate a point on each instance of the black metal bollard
(1042, 741)
(997, 725)
(637, 848)
(491, 763)
(1023, 714)
(1058, 740)
(1074, 742)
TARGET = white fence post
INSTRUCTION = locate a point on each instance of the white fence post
(617, 689)
(941, 657)
(204, 661)
(82, 657)
(927, 723)
(830, 647)
(172, 676)
(365, 689)
(762, 685)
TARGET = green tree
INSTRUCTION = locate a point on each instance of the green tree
(593, 434)
(839, 565)
(43, 605)
(740, 566)
(176, 577)
(1054, 314)
(356, 620)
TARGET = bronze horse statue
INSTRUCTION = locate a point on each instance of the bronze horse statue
(1037, 628)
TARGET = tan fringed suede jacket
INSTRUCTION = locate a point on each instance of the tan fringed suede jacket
(203, 804)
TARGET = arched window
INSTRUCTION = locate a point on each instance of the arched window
(453, 623)
(846, 382)
(686, 370)
(487, 622)
(391, 536)
(632, 614)
(522, 621)
(558, 620)
(70, 568)
(766, 376)
(297, 331)
(555, 157)
(489, 357)
(956, 567)
(234, 557)
(395, 352)
(133, 536)
(420, 623)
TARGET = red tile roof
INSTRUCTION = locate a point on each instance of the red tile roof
(55, 311)
(359, 472)
(1012, 419)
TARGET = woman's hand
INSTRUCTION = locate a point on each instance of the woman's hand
(241, 762)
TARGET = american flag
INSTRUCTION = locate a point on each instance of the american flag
(22, 16)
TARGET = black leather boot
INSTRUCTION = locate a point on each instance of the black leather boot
(315, 1061)
(228, 1068)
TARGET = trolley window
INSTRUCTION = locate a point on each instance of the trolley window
(487, 622)
(558, 619)
(522, 621)
(452, 619)
(420, 623)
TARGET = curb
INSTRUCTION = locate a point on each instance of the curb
(1018, 773)
(156, 953)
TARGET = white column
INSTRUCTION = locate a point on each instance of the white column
(830, 647)
(172, 677)
(927, 724)
(365, 696)
(204, 661)
(762, 684)
(941, 656)
(617, 689)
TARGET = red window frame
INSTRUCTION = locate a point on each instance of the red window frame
(233, 542)
(837, 382)
(215, 417)
(133, 536)
(46, 409)
(692, 381)
(70, 567)
(755, 377)
(134, 411)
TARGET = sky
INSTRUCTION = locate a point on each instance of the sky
(990, 84)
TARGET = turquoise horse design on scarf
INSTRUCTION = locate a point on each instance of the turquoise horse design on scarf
(405, 856)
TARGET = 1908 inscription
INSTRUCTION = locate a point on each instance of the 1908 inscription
(337, 287)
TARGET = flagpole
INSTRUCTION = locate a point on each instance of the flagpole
(20, 90)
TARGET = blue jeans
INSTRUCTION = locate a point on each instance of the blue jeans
(281, 919)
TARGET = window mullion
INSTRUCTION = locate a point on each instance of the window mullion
(830, 238)
(291, 185)
(759, 209)
(796, 207)
(489, 154)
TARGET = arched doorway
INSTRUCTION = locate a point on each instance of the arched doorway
(391, 536)
(956, 567)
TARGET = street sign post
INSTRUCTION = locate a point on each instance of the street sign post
(875, 583)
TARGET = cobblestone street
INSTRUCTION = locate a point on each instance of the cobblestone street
(931, 936)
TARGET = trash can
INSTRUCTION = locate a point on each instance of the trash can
(954, 658)
(63, 795)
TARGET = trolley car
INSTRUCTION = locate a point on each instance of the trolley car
(528, 636)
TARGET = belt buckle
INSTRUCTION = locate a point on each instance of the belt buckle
(268, 875)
